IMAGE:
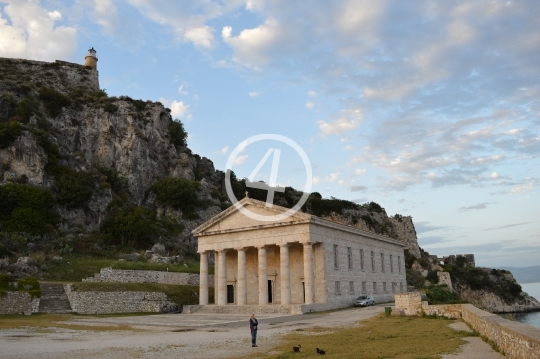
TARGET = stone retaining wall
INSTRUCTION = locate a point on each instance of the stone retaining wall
(147, 276)
(119, 302)
(516, 340)
(18, 303)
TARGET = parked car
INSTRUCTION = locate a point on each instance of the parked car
(364, 301)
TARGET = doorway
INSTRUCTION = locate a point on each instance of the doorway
(230, 293)
(303, 293)
(269, 291)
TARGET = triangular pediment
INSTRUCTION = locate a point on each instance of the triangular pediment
(232, 219)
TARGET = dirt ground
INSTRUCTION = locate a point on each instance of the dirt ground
(184, 336)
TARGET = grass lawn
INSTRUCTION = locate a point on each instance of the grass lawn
(75, 268)
(180, 294)
(377, 338)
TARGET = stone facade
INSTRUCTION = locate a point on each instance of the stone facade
(110, 275)
(18, 303)
(119, 302)
(515, 340)
(301, 259)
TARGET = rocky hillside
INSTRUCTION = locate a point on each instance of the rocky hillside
(101, 162)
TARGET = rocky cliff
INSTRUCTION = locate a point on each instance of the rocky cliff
(58, 124)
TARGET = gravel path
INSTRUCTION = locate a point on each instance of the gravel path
(194, 336)
(475, 347)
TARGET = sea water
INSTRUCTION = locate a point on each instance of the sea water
(532, 318)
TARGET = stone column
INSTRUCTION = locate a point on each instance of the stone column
(308, 274)
(203, 284)
(263, 276)
(241, 284)
(284, 271)
(222, 278)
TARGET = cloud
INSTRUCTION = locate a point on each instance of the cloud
(240, 159)
(357, 188)
(494, 175)
(520, 189)
(310, 104)
(359, 171)
(312, 93)
(188, 21)
(316, 180)
(182, 90)
(476, 206)
(506, 226)
(224, 150)
(253, 94)
(349, 121)
(30, 31)
(105, 14)
(179, 109)
(332, 177)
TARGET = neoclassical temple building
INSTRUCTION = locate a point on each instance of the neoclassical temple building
(298, 264)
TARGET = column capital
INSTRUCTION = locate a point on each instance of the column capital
(240, 249)
(261, 246)
(305, 244)
(284, 245)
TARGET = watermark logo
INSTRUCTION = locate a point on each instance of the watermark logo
(271, 187)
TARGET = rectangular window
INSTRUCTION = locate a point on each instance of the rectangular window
(349, 257)
(351, 287)
(372, 261)
(361, 259)
(399, 264)
(384, 287)
(364, 289)
(374, 287)
(382, 262)
(338, 289)
(391, 264)
(394, 285)
(401, 287)
(336, 263)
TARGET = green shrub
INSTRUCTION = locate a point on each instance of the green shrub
(73, 188)
(441, 295)
(53, 100)
(415, 278)
(177, 133)
(134, 226)
(114, 178)
(110, 107)
(178, 193)
(26, 209)
(26, 108)
(9, 132)
(432, 276)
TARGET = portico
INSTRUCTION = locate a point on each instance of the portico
(286, 262)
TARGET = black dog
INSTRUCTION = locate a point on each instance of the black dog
(320, 351)
(296, 348)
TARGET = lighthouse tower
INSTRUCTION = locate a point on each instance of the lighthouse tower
(91, 59)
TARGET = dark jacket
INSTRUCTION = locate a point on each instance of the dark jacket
(253, 323)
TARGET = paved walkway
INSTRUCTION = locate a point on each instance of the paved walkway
(175, 336)
(475, 347)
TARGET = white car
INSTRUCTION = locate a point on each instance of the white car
(364, 301)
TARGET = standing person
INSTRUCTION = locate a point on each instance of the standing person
(253, 323)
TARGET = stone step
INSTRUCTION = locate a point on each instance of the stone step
(53, 299)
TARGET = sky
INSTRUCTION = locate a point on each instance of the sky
(429, 108)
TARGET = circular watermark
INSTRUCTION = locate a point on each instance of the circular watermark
(271, 187)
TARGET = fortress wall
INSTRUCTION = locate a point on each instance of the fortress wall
(515, 340)
(110, 275)
(18, 303)
(119, 302)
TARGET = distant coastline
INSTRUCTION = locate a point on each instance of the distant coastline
(525, 274)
